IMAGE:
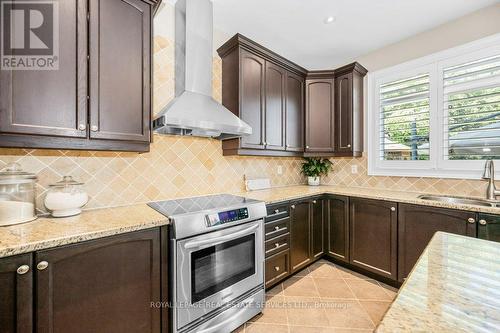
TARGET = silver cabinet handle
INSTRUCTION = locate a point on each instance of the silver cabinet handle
(483, 222)
(42, 265)
(277, 268)
(277, 228)
(276, 211)
(393, 209)
(471, 220)
(94, 128)
(314, 201)
(82, 127)
(348, 146)
(277, 245)
(307, 147)
(23, 269)
(292, 206)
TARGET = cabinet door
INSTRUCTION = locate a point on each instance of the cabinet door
(343, 113)
(51, 102)
(417, 225)
(120, 51)
(16, 294)
(275, 107)
(489, 227)
(319, 116)
(294, 119)
(104, 285)
(338, 228)
(373, 231)
(317, 224)
(252, 69)
(300, 235)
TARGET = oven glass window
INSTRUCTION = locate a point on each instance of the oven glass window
(220, 266)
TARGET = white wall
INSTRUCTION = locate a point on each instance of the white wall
(476, 25)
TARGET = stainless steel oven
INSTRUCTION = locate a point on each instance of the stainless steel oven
(217, 261)
(214, 269)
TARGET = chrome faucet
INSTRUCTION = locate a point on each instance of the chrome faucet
(489, 173)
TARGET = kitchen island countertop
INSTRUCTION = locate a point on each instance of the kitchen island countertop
(454, 287)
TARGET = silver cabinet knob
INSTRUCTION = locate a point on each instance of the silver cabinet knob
(276, 228)
(277, 245)
(314, 201)
(23, 269)
(348, 146)
(276, 211)
(471, 220)
(292, 206)
(307, 147)
(393, 209)
(42, 265)
(483, 222)
(277, 268)
(82, 127)
(94, 128)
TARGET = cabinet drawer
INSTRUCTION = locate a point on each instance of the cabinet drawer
(278, 211)
(277, 244)
(277, 267)
(277, 228)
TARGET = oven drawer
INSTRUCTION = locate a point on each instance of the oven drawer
(277, 267)
(277, 244)
(277, 228)
(277, 211)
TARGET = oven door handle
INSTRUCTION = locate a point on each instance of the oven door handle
(192, 244)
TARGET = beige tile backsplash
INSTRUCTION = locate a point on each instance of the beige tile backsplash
(186, 166)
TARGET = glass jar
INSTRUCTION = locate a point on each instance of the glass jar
(17, 195)
(66, 197)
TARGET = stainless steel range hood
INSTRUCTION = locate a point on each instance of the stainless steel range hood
(193, 111)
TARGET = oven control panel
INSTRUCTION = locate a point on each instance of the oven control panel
(227, 216)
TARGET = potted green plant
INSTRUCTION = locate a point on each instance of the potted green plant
(313, 168)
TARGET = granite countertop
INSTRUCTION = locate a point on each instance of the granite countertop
(51, 232)
(278, 194)
(454, 287)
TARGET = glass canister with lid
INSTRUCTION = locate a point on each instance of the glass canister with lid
(66, 197)
(17, 195)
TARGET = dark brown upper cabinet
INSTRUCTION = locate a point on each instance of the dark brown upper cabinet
(348, 132)
(417, 225)
(100, 97)
(319, 114)
(16, 294)
(337, 228)
(266, 91)
(294, 129)
(120, 75)
(373, 236)
(103, 285)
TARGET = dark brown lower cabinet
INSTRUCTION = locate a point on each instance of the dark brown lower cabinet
(417, 225)
(337, 228)
(277, 267)
(317, 226)
(373, 236)
(16, 294)
(300, 235)
(104, 285)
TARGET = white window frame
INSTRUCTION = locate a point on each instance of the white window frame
(432, 64)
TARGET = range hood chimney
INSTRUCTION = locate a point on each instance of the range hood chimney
(193, 111)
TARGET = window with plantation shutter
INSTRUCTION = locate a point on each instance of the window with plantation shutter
(437, 116)
(404, 119)
(472, 110)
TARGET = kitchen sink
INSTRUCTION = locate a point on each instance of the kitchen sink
(460, 200)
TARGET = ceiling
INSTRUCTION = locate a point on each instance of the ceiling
(296, 30)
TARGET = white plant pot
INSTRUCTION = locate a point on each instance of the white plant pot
(313, 181)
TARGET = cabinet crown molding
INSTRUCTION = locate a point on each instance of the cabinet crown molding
(355, 66)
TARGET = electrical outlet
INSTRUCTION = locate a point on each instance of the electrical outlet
(354, 169)
(280, 170)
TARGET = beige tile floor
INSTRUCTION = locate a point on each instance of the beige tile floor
(323, 298)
